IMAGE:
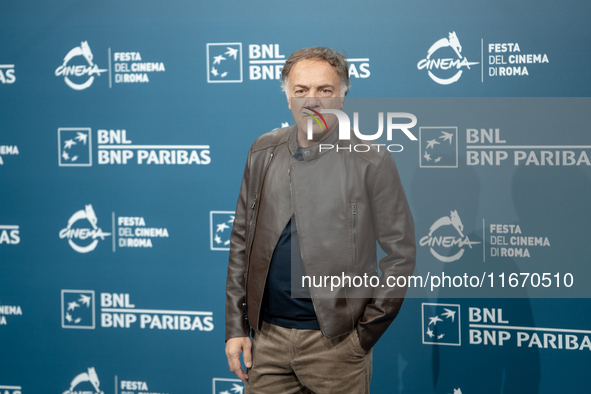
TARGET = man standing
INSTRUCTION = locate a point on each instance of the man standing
(306, 210)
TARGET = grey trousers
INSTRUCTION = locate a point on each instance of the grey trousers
(290, 361)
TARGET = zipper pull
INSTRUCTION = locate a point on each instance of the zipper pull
(354, 206)
(254, 202)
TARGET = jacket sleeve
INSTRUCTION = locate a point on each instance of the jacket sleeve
(394, 230)
(236, 325)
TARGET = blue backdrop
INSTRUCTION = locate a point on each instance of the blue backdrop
(124, 129)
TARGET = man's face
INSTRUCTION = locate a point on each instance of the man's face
(314, 85)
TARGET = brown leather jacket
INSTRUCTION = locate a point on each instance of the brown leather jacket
(343, 203)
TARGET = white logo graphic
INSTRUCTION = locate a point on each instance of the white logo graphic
(283, 124)
(447, 241)
(91, 377)
(487, 327)
(220, 225)
(224, 62)
(510, 53)
(74, 147)
(115, 147)
(227, 386)
(7, 73)
(78, 233)
(457, 391)
(9, 234)
(9, 310)
(134, 233)
(117, 311)
(6, 150)
(78, 309)
(10, 389)
(445, 63)
(441, 324)
(79, 71)
(265, 62)
(127, 231)
(134, 387)
(129, 67)
(438, 147)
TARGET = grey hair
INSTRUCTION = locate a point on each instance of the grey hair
(336, 59)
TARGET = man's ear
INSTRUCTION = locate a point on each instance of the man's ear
(288, 100)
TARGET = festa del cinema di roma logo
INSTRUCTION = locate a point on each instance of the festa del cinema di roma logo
(449, 240)
(76, 234)
(432, 62)
(83, 74)
(87, 380)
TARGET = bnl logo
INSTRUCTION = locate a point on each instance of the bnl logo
(220, 229)
(224, 62)
(227, 386)
(438, 147)
(441, 324)
(265, 62)
(74, 147)
(78, 309)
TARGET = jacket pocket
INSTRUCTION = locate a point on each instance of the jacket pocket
(356, 343)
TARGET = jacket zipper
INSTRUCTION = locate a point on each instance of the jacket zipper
(253, 206)
(294, 212)
(249, 238)
(354, 211)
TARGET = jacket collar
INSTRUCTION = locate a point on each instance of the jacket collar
(311, 152)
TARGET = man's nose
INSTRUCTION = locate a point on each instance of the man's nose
(312, 100)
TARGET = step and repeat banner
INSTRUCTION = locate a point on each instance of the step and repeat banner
(124, 130)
